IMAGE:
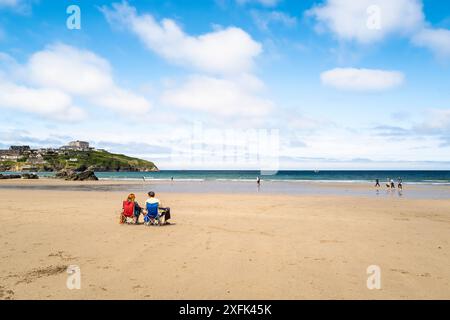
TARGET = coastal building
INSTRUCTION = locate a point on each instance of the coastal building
(20, 149)
(79, 145)
(9, 157)
(76, 146)
(36, 158)
(47, 150)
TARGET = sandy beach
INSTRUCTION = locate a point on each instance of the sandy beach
(222, 246)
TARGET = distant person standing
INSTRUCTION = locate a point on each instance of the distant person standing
(377, 183)
(392, 184)
(258, 181)
(400, 183)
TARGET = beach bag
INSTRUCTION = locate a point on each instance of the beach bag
(122, 218)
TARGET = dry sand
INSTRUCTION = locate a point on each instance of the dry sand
(223, 246)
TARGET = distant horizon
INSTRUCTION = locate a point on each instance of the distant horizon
(311, 166)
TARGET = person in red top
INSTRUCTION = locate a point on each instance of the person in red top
(131, 209)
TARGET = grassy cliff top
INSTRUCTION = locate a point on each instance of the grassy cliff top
(101, 160)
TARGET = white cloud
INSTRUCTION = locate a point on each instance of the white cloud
(225, 58)
(9, 3)
(361, 79)
(19, 6)
(225, 51)
(82, 73)
(436, 120)
(348, 19)
(75, 71)
(122, 100)
(219, 96)
(49, 103)
(52, 78)
(264, 19)
(437, 40)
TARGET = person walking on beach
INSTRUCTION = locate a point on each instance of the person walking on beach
(377, 183)
(258, 181)
(400, 183)
(392, 184)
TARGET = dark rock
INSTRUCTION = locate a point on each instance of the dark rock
(72, 175)
(10, 176)
(64, 173)
(87, 175)
(81, 168)
(30, 176)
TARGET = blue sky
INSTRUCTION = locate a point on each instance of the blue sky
(346, 84)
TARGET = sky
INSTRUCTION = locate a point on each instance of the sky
(231, 84)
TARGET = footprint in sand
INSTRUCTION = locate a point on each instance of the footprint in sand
(6, 294)
(97, 287)
(62, 255)
(400, 270)
(41, 272)
(426, 275)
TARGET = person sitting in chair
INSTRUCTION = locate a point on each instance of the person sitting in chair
(155, 211)
(130, 209)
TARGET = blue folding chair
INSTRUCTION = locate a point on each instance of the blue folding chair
(152, 216)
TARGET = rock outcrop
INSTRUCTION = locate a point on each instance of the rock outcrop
(10, 176)
(72, 175)
(30, 176)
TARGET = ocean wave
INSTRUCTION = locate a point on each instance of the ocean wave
(148, 179)
(243, 180)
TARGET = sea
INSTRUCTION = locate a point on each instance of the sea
(416, 184)
(414, 177)
(438, 177)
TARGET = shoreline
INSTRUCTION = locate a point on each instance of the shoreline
(280, 188)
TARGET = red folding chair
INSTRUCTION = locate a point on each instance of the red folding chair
(127, 211)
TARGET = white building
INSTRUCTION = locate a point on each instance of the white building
(79, 145)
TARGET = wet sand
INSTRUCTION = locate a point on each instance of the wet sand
(222, 246)
(291, 188)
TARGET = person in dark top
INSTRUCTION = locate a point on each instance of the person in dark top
(377, 183)
(400, 183)
(392, 184)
